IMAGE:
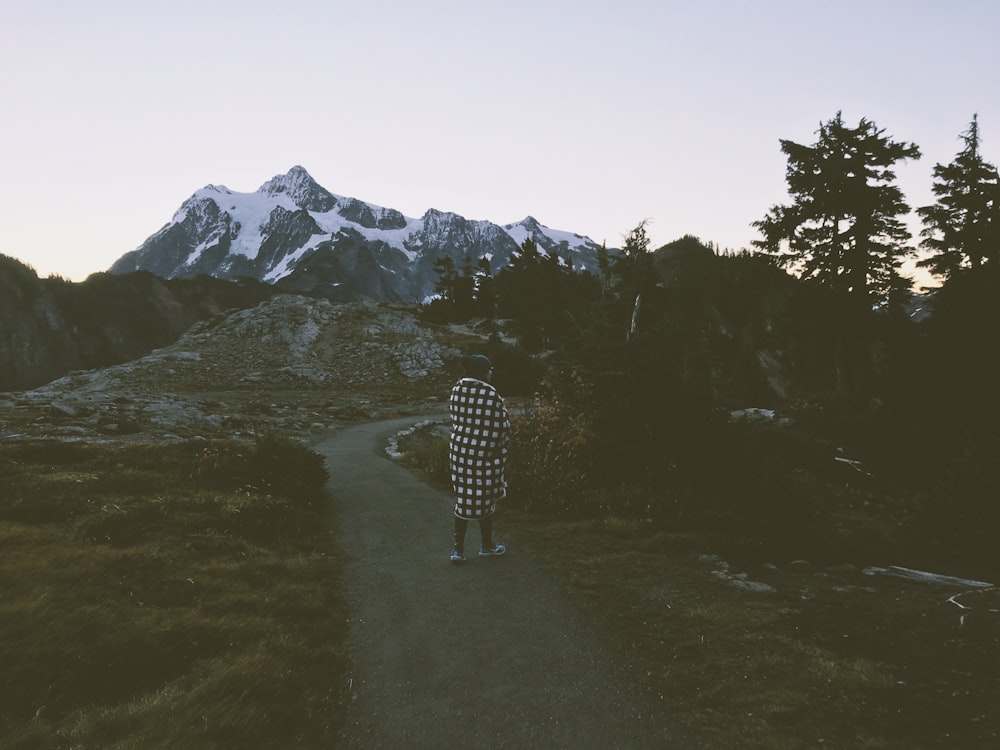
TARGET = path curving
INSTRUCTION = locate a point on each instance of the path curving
(486, 654)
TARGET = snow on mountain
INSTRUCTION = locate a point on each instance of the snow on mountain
(549, 241)
(295, 233)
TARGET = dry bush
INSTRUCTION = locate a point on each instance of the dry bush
(549, 459)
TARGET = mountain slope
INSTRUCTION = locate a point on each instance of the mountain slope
(296, 234)
(49, 327)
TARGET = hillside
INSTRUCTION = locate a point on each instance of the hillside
(49, 327)
(291, 363)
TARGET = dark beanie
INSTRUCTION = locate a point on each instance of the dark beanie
(477, 366)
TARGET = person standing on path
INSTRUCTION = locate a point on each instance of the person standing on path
(477, 453)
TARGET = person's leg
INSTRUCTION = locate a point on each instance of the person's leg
(489, 548)
(486, 531)
(461, 525)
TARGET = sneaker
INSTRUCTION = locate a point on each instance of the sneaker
(457, 556)
(495, 551)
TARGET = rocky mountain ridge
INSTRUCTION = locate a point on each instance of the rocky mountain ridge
(296, 234)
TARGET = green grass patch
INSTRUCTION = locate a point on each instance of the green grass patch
(171, 596)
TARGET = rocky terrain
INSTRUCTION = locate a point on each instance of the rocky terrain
(291, 364)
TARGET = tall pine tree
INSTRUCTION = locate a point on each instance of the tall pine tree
(635, 274)
(444, 287)
(962, 228)
(844, 227)
(485, 289)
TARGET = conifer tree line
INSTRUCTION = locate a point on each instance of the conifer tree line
(844, 227)
(645, 358)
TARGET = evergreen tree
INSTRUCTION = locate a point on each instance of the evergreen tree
(444, 287)
(843, 228)
(543, 297)
(485, 289)
(962, 229)
(442, 308)
(468, 270)
(522, 293)
(635, 274)
(526, 257)
(604, 266)
(465, 290)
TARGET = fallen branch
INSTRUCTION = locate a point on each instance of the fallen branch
(853, 463)
(954, 600)
(924, 577)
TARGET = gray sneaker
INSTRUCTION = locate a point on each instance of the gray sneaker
(457, 556)
(495, 551)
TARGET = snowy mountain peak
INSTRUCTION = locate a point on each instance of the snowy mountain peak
(220, 189)
(294, 233)
(303, 190)
(434, 214)
(551, 241)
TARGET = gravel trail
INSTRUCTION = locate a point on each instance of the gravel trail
(486, 654)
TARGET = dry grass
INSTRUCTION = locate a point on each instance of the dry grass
(188, 596)
(176, 596)
(823, 662)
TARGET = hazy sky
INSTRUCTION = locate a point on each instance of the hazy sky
(589, 116)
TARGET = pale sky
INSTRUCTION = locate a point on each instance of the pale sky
(589, 116)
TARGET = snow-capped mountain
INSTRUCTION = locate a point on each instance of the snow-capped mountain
(296, 234)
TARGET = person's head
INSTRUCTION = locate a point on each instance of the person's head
(477, 366)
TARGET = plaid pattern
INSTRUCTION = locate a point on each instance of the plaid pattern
(477, 451)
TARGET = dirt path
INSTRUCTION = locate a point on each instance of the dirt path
(487, 654)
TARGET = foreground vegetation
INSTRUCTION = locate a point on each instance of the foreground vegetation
(640, 363)
(830, 657)
(168, 596)
(874, 444)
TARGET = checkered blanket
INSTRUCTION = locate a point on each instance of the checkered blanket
(477, 451)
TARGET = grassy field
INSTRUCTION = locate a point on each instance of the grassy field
(172, 596)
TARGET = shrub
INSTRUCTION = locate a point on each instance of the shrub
(430, 458)
(550, 457)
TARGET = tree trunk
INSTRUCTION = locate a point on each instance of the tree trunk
(635, 318)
